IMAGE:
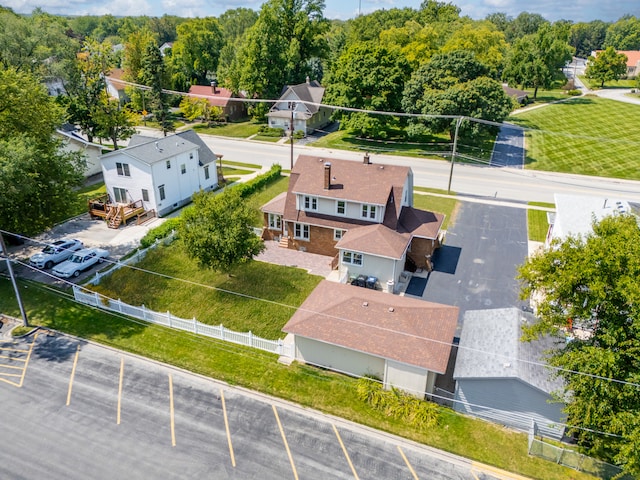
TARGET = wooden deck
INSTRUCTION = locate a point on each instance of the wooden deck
(115, 214)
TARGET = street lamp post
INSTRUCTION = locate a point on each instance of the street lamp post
(292, 107)
(220, 176)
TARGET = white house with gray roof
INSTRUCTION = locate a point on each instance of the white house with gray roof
(162, 172)
(308, 115)
(502, 379)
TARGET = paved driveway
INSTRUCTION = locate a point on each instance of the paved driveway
(508, 150)
(476, 267)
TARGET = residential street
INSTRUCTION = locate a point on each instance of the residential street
(482, 182)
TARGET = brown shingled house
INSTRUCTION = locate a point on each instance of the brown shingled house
(360, 213)
(404, 341)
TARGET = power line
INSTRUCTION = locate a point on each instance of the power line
(335, 317)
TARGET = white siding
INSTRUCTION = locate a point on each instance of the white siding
(139, 178)
(384, 269)
(338, 358)
(414, 380)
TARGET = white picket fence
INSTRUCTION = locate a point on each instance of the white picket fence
(135, 258)
(247, 339)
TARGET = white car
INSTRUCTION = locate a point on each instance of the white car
(55, 252)
(80, 261)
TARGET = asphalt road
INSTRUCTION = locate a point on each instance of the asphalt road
(74, 410)
(483, 182)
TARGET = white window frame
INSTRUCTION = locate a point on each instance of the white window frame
(352, 258)
(338, 233)
(123, 169)
(301, 231)
(183, 168)
(368, 211)
(310, 203)
(275, 221)
(145, 195)
(206, 172)
(161, 193)
(168, 164)
(344, 207)
(120, 195)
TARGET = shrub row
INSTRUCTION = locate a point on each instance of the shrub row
(260, 181)
(161, 231)
(271, 132)
(397, 404)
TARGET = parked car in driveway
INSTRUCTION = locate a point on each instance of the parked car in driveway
(80, 261)
(55, 252)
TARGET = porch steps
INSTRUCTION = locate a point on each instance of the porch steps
(115, 221)
(284, 242)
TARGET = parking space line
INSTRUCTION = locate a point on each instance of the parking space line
(15, 367)
(286, 444)
(173, 423)
(404, 457)
(73, 374)
(14, 358)
(26, 364)
(226, 426)
(496, 472)
(120, 390)
(346, 454)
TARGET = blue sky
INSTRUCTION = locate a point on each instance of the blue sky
(576, 10)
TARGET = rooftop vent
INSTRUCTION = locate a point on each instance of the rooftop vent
(365, 304)
(391, 310)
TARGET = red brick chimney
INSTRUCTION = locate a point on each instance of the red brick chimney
(327, 176)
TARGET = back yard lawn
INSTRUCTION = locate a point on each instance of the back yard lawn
(586, 135)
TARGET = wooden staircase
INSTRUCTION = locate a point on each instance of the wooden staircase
(113, 217)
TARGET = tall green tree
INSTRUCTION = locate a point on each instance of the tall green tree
(481, 38)
(454, 84)
(606, 66)
(113, 120)
(36, 176)
(279, 48)
(524, 24)
(593, 283)
(587, 37)
(153, 73)
(234, 24)
(624, 34)
(196, 50)
(369, 77)
(217, 231)
(135, 49)
(85, 85)
(535, 61)
(432, 11)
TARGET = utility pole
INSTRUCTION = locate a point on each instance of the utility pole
(5, 254)
(454, 153)
(292, 107)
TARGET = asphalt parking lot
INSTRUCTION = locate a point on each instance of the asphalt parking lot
(76, 410)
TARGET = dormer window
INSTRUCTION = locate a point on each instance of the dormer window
(310, 203)
(369, 211)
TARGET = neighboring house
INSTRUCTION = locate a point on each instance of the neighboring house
(503, 379)
(519, 96)
(164, 47)
(116, 85)
(633, 60)
(575, 214)
(223, 98)
(160, 174)
(74, 142)
(307, 114)
(403, 341)
(360, 213)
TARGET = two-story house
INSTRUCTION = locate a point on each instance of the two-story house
(300, 103)
(361, 213)
(160, 174)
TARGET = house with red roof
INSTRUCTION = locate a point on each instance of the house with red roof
(233, 110)
(403, 341)
(301, 104)
(359, 213)
(633, 60)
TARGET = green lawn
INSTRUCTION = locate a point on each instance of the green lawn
(230, 171)
(234, 130)
(254, 166)
(537, 222)
(623, 83)
(432, 203)
(284, 288)
(328, 392)
(83, 195)
(586, 135)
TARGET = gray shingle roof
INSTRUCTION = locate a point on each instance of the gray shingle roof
(490, 347)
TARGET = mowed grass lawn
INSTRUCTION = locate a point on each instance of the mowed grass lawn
(257, 296)
(586, 135)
